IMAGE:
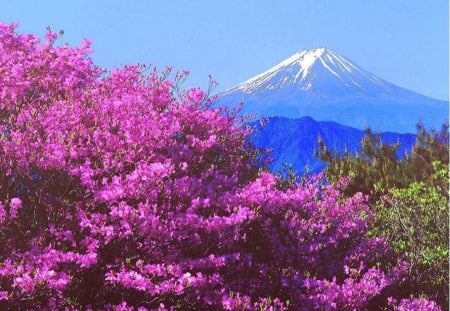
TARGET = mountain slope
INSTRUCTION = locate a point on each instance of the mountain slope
(294, 141)
(326, 86)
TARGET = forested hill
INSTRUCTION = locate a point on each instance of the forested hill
(294, 141)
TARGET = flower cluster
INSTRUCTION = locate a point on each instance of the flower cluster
(117, 193)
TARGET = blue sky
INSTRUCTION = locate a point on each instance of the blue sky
(402, 41)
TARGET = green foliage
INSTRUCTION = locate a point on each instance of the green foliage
(414, 221)
(376, 168)
(409, 198)
(288, 177)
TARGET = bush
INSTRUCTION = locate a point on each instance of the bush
(409, 198)
(415, 222)
(376, 168)
(117, 193)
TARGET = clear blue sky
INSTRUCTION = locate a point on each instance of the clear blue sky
(402, 41)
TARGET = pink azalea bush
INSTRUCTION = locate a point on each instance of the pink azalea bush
(118, 192)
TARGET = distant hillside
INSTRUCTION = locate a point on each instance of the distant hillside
(294, 141)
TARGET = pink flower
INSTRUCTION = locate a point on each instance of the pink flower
(4, 295)
(2, 213)
(15, 205)
(195, 95)
(25, 283)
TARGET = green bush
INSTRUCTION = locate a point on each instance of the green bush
(414, 220)
(409, 198)
(376, 169)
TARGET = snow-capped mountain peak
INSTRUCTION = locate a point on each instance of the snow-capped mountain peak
(303, 58)
(304, 67)
(324, 85)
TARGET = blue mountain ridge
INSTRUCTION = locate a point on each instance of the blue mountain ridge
(293, 141)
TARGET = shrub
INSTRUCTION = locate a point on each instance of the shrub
(376, 168)
(119, 193)
(415, 222)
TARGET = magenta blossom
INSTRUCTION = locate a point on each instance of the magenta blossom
(136, 196)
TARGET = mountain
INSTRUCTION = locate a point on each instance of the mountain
(293, 141)
(328, 87)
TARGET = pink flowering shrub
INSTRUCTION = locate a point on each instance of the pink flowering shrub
(118, 193)
(414, 304)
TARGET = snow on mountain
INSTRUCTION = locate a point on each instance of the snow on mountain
(328, 87)
(303, 69)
